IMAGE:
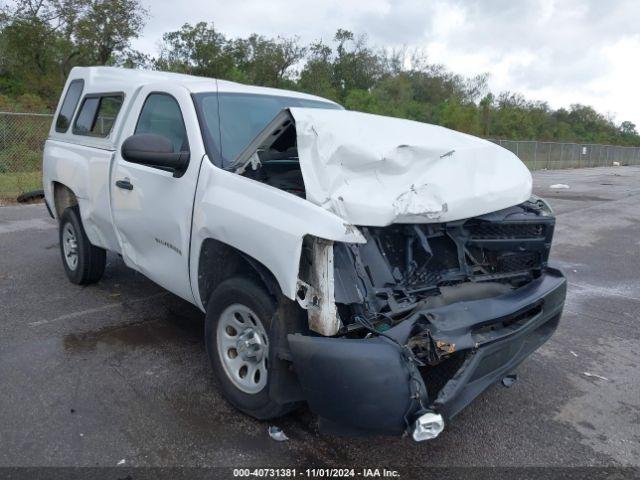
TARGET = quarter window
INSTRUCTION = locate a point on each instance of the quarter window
(161, 115)
(97, 115)
(69, 105)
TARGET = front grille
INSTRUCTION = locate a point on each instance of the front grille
(516, 262)
(505, 231)
(402, 264)
(427, 277)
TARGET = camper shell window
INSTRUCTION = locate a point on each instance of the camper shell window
(69, 105)
(98, 114)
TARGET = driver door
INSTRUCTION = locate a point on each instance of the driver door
(151, 207)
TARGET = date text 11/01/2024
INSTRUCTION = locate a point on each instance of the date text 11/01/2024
(316, 472)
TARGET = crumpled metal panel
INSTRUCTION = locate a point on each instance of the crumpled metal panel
(374, 170)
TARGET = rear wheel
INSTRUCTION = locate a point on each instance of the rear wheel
(83, 263)
(238, 320)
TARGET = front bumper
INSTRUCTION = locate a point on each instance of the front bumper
(373, 386)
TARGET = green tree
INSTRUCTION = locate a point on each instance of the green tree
(355, 66)
(105, 27)
(41, 40)
(317, 74)
(267, 61)
(199, 50)
(628, 129)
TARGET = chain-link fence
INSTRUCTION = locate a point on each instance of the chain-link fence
(22, 136)
(552, 155)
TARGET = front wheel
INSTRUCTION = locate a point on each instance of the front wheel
(237, 324)
(83, 263)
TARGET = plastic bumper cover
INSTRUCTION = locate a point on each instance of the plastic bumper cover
(371, 385)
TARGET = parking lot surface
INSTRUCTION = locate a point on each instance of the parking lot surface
(117, 371)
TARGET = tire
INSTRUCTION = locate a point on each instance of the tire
(83, 263)
(248, 299)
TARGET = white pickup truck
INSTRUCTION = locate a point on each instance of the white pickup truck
(384, 271)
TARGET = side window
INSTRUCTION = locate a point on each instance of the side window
(69, 105)
(161, 115)
(97, 115)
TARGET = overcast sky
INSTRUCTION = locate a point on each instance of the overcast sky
(561, 51)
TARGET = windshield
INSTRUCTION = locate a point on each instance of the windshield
(230, 121)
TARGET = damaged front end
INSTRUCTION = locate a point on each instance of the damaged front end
(440, 299)
(425, 317)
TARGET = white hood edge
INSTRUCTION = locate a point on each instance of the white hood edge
(373, 170)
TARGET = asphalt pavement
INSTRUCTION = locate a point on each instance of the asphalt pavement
(92, 376)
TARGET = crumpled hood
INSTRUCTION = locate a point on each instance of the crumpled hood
(374, 170)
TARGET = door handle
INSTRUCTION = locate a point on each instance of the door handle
(126, 184)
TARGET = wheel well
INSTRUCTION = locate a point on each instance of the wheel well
(63, 198)
(219, 261)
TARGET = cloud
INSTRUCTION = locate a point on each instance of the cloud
(569, 51)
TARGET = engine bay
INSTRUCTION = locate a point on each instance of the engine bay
(404, 264)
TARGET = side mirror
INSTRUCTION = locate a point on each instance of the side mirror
(154, 151)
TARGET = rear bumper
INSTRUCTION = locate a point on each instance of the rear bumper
(372, 385)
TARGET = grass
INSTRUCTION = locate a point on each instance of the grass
(15, 183)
